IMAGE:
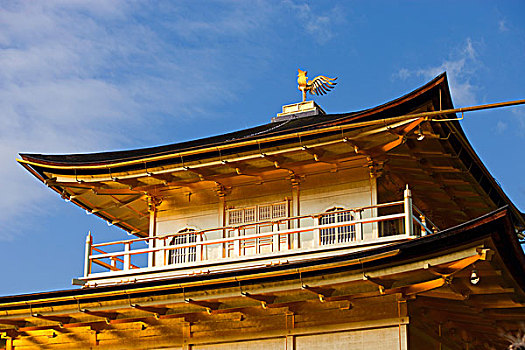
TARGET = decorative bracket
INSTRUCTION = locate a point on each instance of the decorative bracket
(205, 304)
(108, 316)
(382, 284)
(16, 324)
(263, 299)
(156, 311)
(153, 203)
(322, 293)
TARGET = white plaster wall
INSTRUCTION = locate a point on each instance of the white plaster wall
(264, 344)
(386, 338)
(348, 188)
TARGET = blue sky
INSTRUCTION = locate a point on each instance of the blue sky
(89, 76)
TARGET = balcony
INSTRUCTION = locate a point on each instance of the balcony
(262, 243)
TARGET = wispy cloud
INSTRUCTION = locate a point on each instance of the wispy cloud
(502, 25)
(78, 76)
(461, 67)
(501, 127)
(318, 24)
(519, 117)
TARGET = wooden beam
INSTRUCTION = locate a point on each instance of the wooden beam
(15, 323)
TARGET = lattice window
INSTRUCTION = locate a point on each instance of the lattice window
(279, 210)
(186, 254)
(235, 216)
(265, 212)
(249, 215)
(341, 234)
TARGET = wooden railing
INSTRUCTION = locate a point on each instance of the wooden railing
(338, 227)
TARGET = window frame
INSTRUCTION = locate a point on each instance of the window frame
(337, 235)
(184, 255)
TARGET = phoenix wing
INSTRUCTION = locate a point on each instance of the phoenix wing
(321, 85)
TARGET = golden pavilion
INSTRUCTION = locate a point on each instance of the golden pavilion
(375, 229)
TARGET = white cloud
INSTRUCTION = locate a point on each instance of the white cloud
(519, 116)
(501, 126)
(460, 67)
(502, 26)
(80, 76)
(317, 24)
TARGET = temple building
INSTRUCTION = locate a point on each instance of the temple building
(376, 229)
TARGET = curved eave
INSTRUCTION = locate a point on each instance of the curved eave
(400, 106)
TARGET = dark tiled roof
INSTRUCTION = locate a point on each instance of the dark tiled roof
(399, 106)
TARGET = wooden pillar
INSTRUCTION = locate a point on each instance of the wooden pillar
(151, 234)
(296, 212)
(186, 335)
(290, 342)
(222, 222)
(9, 343)
(87, 261)
(290, 325)
(409, 223)
(152, 208)
(373, 201)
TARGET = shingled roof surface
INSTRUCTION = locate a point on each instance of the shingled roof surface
(397, 107)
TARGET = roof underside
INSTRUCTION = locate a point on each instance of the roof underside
(445, 173)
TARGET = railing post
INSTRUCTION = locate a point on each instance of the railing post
(198, 249)
(317, 236)
(237, 243)
(409, 224)
(275, 237)
(126, 256)
(87, 260)
(165, 252)
(358, 227)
